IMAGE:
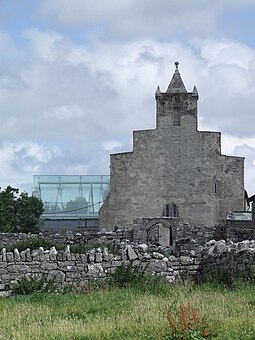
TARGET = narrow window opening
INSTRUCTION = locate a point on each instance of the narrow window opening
(215, 188)
(177, 119)
(167, 211)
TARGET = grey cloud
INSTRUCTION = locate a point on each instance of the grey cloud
(133, 18)
(165, 19)
(76, 98)
(249, 154)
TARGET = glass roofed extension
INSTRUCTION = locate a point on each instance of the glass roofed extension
(71, 196)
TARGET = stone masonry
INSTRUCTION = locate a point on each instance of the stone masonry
(174, 170)
(67, 268)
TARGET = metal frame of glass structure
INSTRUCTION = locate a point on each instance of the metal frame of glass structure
(71, 196)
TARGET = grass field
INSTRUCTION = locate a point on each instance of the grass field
(127, 313)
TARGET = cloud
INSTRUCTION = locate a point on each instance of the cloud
(244, 147)
(44, 44)
(136, 19)
(249, 154)
(111, 145)
(227, 52)
(18, 161)
(65, 112)
(84, 96)
(132, 19)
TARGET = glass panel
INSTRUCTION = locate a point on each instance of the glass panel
(240, 216)
(71, 196)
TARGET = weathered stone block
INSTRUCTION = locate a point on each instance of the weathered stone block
(46, 256)
(22, 256)
(28, 255)
(91, 256)
(59, 256)
(172, 258)
(95, 270)
(170, 279)
(157, 266)
(35, 255)
(18, 268)
(5, 293)
(4, 254)
(9, 257)
(40, 251)
(56, 276)
(66, 256)
(131, 253)
(142, 247)
(16, 255)
(84, 258)
(98, 258)
(158, 256)
(105, 254)
(48, 266)
(77, 257)
(186, 260)
(73, 275)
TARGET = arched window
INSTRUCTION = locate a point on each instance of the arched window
(171, 210)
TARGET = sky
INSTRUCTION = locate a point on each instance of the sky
(77, 77)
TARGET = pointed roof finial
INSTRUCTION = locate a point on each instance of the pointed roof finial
(158, 90)
(176, 85)
(195, 92)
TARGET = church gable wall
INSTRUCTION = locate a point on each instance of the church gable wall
(173, 164)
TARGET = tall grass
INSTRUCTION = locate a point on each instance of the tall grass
(128, 313)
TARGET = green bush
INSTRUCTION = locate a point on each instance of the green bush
(135, 276)
(32, 243)
(36, 283)
(223, 276)
(83, 248)
(249, 275)
(220, 276)
(127, 275)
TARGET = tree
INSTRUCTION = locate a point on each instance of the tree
(79, 205)
(8, 209)
(19, 213)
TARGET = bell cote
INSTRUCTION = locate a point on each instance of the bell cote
(176, 107)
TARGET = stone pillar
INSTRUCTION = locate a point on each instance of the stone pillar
(253, 212)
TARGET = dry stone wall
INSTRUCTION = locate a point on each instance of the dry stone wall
(68, 236)
(77, 269)
(240, 230)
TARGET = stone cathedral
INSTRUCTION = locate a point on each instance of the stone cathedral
(174, 170)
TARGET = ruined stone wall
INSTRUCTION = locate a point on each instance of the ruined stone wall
(181, 232)
(238, 231)
(67, 268)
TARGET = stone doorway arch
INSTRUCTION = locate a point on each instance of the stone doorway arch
(159, 231)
